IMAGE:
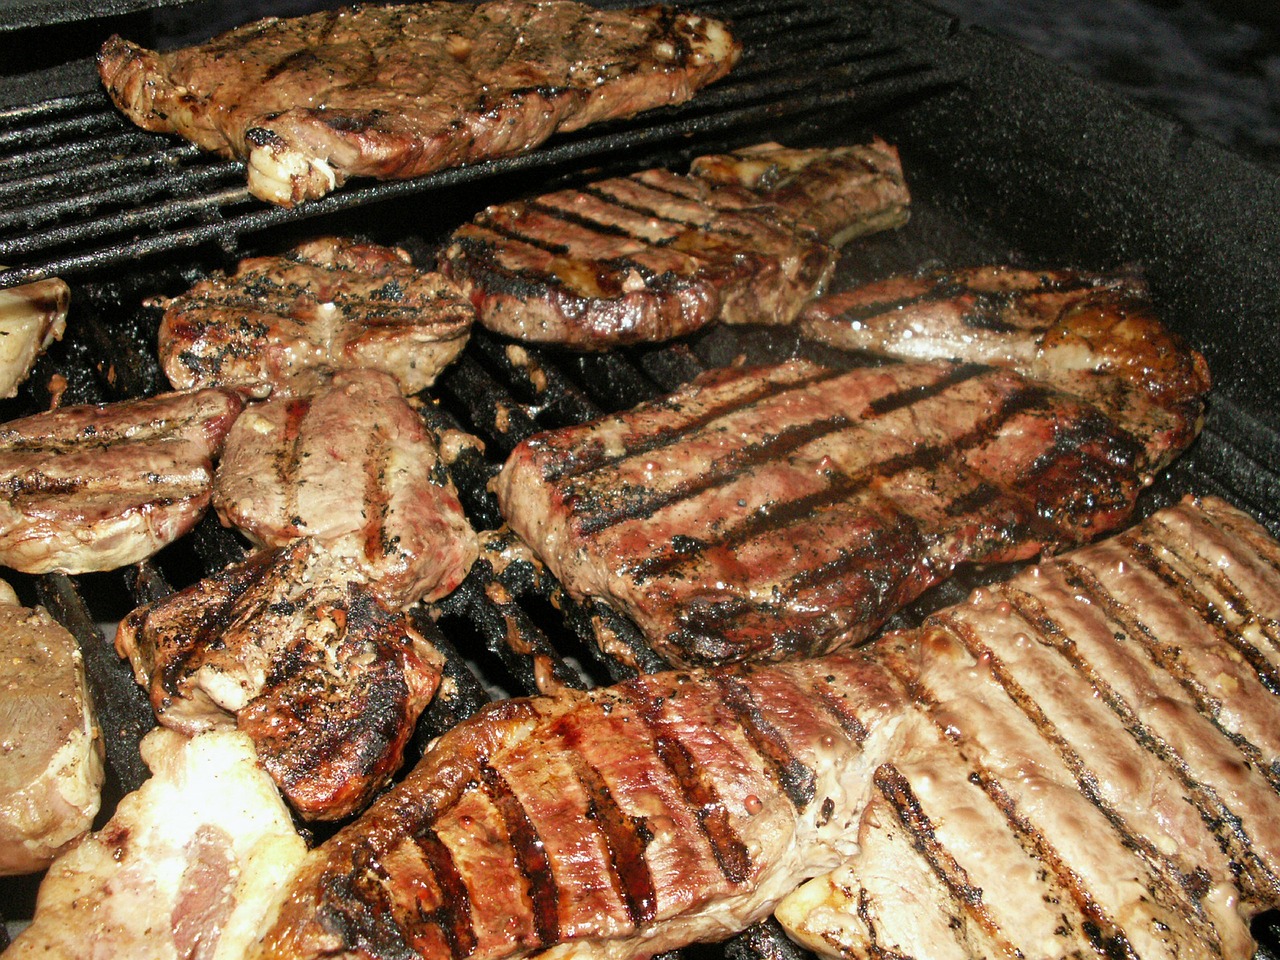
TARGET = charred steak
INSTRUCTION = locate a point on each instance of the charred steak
(397, 91)
(352, 465)
(95, 487)
(329, 303)
(657, 254)
(1079, 762)
(763, 513)
(325, 680)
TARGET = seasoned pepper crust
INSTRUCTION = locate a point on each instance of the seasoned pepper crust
(394, 92)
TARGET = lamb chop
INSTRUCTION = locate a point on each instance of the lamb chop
(770, 512)
(51, 756)
(290, 647)
(1079, 762)
(398, 91)
(351, 465)
(190, 865)
(658, 255)
(329, 303)
(95, 487)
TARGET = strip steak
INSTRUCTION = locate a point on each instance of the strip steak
(398, 91)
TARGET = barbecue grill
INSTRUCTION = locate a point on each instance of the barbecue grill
(1009, 159)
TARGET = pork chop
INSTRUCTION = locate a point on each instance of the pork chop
(398, 91)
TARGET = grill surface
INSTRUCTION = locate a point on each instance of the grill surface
(1007, 158)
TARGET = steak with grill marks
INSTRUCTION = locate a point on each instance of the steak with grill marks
(398, 91)
(1078, 763)
(763, 513)
(352, 465)
(657, 254)
(330, 303)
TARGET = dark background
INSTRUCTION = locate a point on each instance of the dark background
(1214, 64)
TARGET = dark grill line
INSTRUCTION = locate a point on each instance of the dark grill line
(796, 780)
(956, 375)
(1085, 778)
(571, 469)
(731, 854)
(834, 705)
(1225, 825)
(625, 838)
(896, 789)
(1196, 601)
(596, 190)
(508, 232)
(581, 218)
(700, 227)
(295, 413)
(453, 915)
(1166, 658)
(531, 856)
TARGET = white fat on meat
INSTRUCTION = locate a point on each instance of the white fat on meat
(191, 866)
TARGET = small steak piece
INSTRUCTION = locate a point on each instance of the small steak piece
(1060, 327)
(658, 255)
(95, 487)
(842, 192)
(329, 303)
(51, 767)
(32, 316)
(1078, 763)
(300, 656)
(190, 866)
(353, 466)
(398, 91)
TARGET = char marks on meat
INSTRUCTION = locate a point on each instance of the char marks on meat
(95, 487)
(329, 303)
(657, 255)
(1078, 762)
(351, 465)
(398, 91)
(326, 680)
(763, 513)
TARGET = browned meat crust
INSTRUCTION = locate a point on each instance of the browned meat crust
(1080, 762)
(353, 466)
(291, 649)
(328, 304)
(658, 255)
(95, 487)
(398, 91)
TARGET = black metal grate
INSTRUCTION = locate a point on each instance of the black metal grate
(82, 188)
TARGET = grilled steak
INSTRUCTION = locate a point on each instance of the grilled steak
(326, 681)
(1059, 327)
(353, 466)
(97, 487)
(51, 764)
(398, 91)
(762, 513)
(329, 303)
(189, 866)
(32, 316)
(1077, 763)
(658, 255)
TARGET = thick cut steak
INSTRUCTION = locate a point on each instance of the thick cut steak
(398, 91)
(352, 465)
(657, 254)
(328, 304)
(1078, 762)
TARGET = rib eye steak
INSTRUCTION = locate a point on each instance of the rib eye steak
(398, 91)
(657, 254)
(770, 512)
(1078, 762)
(329, 303)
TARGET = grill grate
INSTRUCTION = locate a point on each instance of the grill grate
(84, 189)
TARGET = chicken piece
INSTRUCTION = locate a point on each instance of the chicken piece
(95, 487)
(32, 316)
(51, 755)
(192, 865)
(326, 680)
(352, 465)
(328, 303)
